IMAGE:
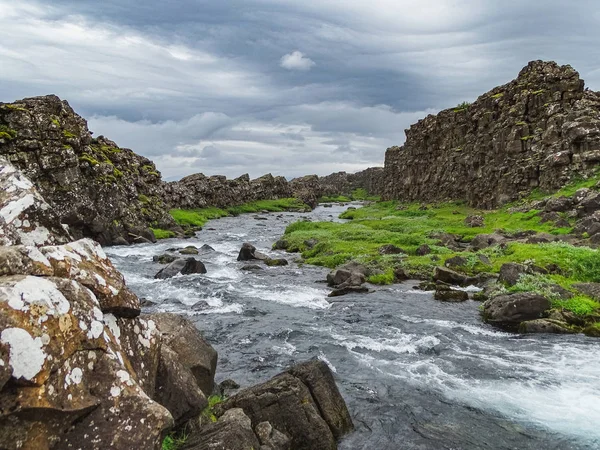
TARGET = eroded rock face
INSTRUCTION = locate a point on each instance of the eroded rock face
(538, 131)
(342, 183)
(98, 189)
(511, 310)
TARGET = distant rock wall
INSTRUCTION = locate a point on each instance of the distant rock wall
(536, 132)
(342, 183)
(200, 191)
(99, 190)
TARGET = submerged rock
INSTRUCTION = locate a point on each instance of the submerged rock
(248, 252)
(337, 292)
(546, 326)
(181, 266)
(276, 262)
(189, 250)
(164, 258)
(447, 294)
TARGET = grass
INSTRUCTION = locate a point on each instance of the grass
(199, 217)
(356, 194)
(335, 199)
(208, 412)
(462, 106)
(173, 441)
(162, 234)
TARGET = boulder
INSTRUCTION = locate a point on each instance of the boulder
(456, 261)
(338, 276)
(511, 272)
(189, 250)
(515, 308)
(546, 326)
(449, 276)
(423, 250)
(474, 221)
(303, 403)
(270, 438)
(206, 248)
(337, 292)
(164, 258)
(447, 294)
(276, 262)
(248, 253)
(591, 289)
(194, 353)
(281, 244)
(482, 241)
(228, 387)
(559, 204)
(181, 266)
(390, 249)
(85, 261)
(233, 431)
(251, 267)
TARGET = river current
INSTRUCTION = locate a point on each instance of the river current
(416, 373)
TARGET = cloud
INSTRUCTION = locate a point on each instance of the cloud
(296, 61)
(194, 84)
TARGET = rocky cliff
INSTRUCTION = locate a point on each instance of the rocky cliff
(98, 189)
(536, 132)
(200, 191)
(342, 183)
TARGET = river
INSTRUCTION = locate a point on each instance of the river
(416, 373)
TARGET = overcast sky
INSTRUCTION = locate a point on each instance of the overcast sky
(282, 86)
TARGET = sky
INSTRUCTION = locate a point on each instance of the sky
(278, 86)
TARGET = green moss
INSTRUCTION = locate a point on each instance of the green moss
(521, 123)
(117, 173)
(498, 95)
(7, 133)
(538, 92)
(580, 305)
(55, 121)
(335, 199)
(107, 149)
(67, 147)
(68, 134)
(384, 278)
(208, 412)
(15, 107)
(526, 138)
(86, 157)
(162, 234)
(143, 198)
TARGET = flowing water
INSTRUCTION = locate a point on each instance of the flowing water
(416, 373)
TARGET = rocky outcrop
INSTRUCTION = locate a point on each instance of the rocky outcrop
(98, 189)
(308, 189)
(511, 310)
(200, 191)
(79, 368)
(536, 132)
(342, 183)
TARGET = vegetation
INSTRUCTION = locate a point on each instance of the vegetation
(7, 133)
(462, 106)
(162, 234)
(68, 134)
(335, 199)
(198, 217)
(86, 157)
(173, 441)
(357, 194)
(209, 412)
(498, 95)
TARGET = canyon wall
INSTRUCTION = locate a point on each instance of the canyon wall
(535, 132)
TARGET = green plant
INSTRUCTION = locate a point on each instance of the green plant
(526, 138)
(7, 133)
(68, 134)
(580, 305)
(86, 157)
(498, 95)
(174, 441)
(143, 198)
(209, 412)
(462, 106)
(162, 234)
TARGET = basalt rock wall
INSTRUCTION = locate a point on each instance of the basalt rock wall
(536, 132)
(200, 191)
(342, 183)
(98, 189)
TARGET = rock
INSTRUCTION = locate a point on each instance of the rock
(423, 250)
(317, 376)
(193, 352)
(120, 240)
(276, 262)
(456, 261)
(281, 244)
(591, 289)
(270, 438)
(189, 250)
(558, 204)
(233, 431)
(390, 249)
(356, 267)
(86, 262)
(181, 266)
(310, 243)
(228, 387)
(482, 241)
(164, 258)
(545, 326)
(549, 126)
(448, 276)
(101, 191)
(341, 278)
(251, 267)
(206, 248)
(515, 308)
(337, 292)
(248, 253)
(511, 272)
(177, 388)
(400, 274)
(474, 221)
(84, 360)
(447, 294)
(21, 260)
(484, 260)
(303, 403)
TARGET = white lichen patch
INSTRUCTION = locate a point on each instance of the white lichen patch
(115, 391)
(35, 290)
(101, 281)
(111, 322)
(37, 236)
(74, 377)
(15, 208)
(26, 355)
(124, 377)
(37, 256)
(96, 329)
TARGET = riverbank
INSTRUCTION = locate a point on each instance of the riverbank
(551, 251)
